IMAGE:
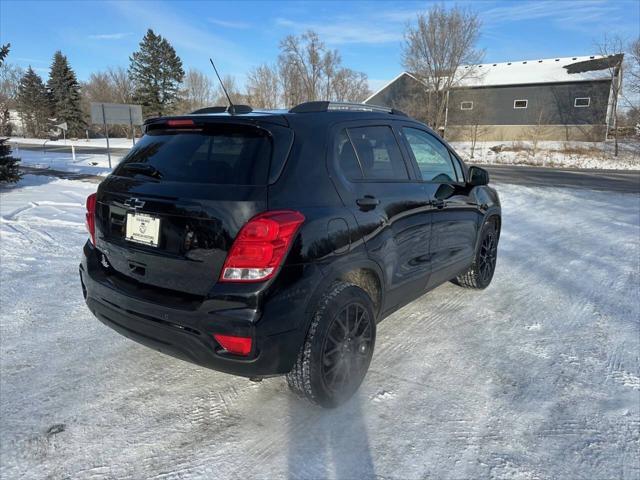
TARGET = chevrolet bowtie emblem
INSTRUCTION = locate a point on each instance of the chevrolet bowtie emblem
(134, 203)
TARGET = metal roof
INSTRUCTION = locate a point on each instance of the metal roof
(523, 72)
(546, 70)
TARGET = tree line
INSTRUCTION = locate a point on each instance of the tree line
(305, 70)
(436, 45)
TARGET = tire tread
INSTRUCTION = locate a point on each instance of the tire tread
(471, 278)
(299, 378)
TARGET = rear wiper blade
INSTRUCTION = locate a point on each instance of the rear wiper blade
(143, 168)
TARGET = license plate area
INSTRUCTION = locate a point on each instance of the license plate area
(143, 229)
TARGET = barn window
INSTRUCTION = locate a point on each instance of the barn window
(520, 103)
(466, 105)
(582, 102)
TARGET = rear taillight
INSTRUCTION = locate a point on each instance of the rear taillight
(235, 345)
(260, 247)
(91, 217)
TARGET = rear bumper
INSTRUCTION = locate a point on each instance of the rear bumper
(186, 332)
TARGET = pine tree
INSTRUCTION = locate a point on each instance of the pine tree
(33, 104)
(156, 71)
(9, 171)
(4, 51)
(5, 124)
(64, 95)
(8, 164)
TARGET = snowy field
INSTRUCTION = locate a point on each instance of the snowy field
(81, 142)
(547, 154)
(554, 154)
(536, 377)
(85, 163)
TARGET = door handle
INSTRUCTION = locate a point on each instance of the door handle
(438, 203)
(368, 202)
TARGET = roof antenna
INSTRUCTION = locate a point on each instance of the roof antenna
(232, 108)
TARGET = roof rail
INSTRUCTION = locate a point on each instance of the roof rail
(222, 109)
(324, 106)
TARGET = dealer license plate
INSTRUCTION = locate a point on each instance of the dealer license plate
(143, 228)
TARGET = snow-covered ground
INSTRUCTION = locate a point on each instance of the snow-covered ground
(93, 164)
(81, 142)
(546, 154)
(536, 377)
(554, 154)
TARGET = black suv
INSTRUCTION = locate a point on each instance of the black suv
(271, 243)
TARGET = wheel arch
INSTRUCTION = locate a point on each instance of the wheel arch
(496, 218)
(363, 273)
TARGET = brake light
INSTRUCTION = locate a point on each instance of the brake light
(236, 345)
(261, 246)
(180, 123)
(91, 217)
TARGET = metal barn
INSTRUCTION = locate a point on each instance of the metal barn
(551, 99)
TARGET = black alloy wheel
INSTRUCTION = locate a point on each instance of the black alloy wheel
(487, 256)
(347, 348)
(336, 353)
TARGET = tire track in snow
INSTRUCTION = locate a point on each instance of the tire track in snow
(12, 215)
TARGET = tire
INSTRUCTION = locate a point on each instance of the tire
(337, 350)
(480, 273)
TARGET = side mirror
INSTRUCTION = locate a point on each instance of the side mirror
(478, 176)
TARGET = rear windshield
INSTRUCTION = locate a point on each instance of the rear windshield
(230, 155)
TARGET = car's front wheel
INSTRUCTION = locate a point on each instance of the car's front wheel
(335, 356)
(481, 271)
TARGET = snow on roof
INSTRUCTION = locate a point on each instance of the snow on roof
(548, 70)
(522, 72)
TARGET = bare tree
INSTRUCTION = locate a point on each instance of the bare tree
(99, 88)
(435, 50)
(633, 85)
(122, 85)
(111, 86)
(413, 100)
(349, 86)
(331, 69)
(309, 71)
(230, 83)
(291, 84)
(476, 129)
(633, 71)
(538, 131)
(263, 87)
(197, 91)
(10, 76)
(611, 47)
(306, 58)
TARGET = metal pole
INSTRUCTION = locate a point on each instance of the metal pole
(133, 133)
(106, 132)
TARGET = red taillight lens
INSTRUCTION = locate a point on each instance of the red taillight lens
(91, 217)
(235, 345)
(261, 246)
(180, 123)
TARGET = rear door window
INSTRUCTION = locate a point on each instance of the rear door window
(347, 160)
(378, 153)
(432, 156)
(228, 155)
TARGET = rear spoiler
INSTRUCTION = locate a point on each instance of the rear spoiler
(199, 120)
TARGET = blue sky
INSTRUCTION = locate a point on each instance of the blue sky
(242, 34)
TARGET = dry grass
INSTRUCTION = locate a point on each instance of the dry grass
(592, 150)
(589, 150)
